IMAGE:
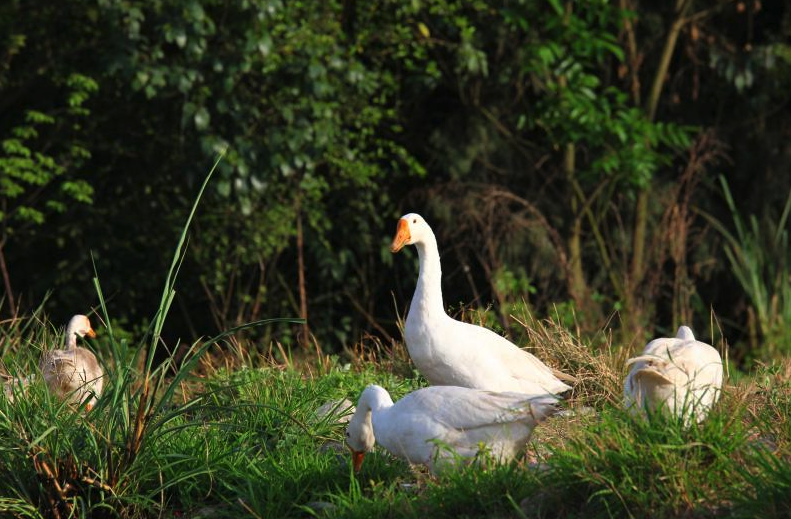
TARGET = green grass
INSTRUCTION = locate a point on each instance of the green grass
(247, 442)
(165, 441)
(758, 252)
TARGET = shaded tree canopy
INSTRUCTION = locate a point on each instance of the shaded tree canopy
(576, 159)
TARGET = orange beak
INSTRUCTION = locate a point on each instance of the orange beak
(357, 460)
(91, 333)
(402, 236)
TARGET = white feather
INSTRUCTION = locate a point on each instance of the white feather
(680, 375)
(432, 425)
(453, 353)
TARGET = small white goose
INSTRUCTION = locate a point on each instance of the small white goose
(681, 375)
(424, 424)
(73, 373)
(453, 353)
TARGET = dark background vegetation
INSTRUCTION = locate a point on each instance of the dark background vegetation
(581, 160)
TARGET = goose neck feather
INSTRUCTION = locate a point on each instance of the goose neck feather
(71, 339)
(428, 292)
(361, 432)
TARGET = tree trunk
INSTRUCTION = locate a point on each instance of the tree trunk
(303, 295)
(577, 285)
(633, 56)
(664, 61)
(640, 235)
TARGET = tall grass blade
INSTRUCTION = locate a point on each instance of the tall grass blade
(168, 291)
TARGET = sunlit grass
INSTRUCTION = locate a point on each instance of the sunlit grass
(248, 442)
(165, 442)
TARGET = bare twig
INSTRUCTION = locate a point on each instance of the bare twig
(368, 317)
(7, 282)
(60, 497)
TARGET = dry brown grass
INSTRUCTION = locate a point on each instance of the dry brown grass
(392, 357)
(596, 366)
(765, 395)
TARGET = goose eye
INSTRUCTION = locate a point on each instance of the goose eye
(414, 220)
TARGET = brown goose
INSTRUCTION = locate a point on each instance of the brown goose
(73, 373)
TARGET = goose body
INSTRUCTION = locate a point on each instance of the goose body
(454, 353)
(431, 424)
(73, 373)
(681, 375)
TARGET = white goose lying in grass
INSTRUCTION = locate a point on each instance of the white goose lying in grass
(681, 375)
(453, 353)
(73, 373)
(424, 424)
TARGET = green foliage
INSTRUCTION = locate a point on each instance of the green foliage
(576, 107)
(37, 166)
(248, 441)
(610, 464)
(517, 128)
(759, 254)
(307, 119)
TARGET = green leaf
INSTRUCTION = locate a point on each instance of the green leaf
(202, 118)
(557, 7)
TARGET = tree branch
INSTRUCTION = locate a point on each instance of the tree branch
(667, 53)
(7, 283)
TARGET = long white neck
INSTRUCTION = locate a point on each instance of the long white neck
(376, 401)
(428, 292)
(71, 337)
(371, 409)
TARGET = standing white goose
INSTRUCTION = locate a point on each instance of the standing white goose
(73, 373)
(453, 353)
(681, 375)
(425, 424)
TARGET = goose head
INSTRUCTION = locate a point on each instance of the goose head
(412, 229)
(360, 432)
(81, 326)
(360, 436)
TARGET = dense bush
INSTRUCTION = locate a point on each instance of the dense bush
(566, 154)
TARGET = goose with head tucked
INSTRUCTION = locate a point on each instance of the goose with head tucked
(436, 425)
(448, 352)
(73, 373)
(681, 375)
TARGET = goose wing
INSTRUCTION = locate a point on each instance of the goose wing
(467, 409)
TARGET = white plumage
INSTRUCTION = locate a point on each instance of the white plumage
(454, 353)
(431, 424)
(73, 373)
(680, 375)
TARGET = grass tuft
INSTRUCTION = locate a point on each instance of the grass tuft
(172, 440)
